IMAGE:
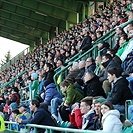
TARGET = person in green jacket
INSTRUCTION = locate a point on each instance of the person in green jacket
(123, 42)
(2, 124)
(34, 86)
(71, 96)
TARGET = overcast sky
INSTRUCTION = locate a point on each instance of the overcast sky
(14, 47)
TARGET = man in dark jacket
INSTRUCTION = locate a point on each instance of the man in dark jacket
(92, 85)
(86, 43)
(90, 64)
(120, 91)
(40, 116)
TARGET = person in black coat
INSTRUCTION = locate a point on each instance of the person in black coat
(86, 43)
(107, 62)
(120, 91)
(92, 86)
(49, 74)
(90, 64)
(40, 116)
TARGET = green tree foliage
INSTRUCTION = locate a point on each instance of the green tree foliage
(7, 58)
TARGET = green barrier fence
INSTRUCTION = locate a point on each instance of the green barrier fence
(13, 80)
(93, 51)
(49, 129)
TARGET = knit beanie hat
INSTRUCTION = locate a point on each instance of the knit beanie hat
(14, 105)
(101, 100)
(46, 83)
(34, 75)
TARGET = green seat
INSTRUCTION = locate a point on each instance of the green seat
(127, 104)
(64, 124)
(128, 130)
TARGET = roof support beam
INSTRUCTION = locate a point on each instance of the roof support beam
(21, 40)
(16, 32)
(25, 19)
(57, 5)
(20, 27)
(57, 14)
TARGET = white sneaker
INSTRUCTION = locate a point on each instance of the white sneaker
(56, 118)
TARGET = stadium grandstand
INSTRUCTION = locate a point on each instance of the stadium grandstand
(77, 75)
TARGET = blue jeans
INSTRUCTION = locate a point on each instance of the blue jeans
(130, 111)
(130, 80)
(120, 108)
(55, 104)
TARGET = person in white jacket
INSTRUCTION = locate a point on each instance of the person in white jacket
(111, 118)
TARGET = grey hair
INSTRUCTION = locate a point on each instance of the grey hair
(76, 64)
(91, 73)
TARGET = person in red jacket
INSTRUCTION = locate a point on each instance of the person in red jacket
(15, 97)
(84, 117)
(76, 116)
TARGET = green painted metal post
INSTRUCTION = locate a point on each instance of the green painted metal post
(67, 25)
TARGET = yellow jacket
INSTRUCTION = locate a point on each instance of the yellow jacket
(2, 124)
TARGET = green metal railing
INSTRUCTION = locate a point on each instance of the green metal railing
(13, 80)
(14, 59)
(108, 36)
(50, 129)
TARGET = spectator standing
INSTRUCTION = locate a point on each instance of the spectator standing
(86, 43)
(34, 86)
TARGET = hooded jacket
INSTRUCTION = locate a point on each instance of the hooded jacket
(72, 95)
(34, 87)
(51, 93)
(120, 92)
(111, 121)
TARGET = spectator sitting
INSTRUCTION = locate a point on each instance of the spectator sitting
(98, 61)
(16, 114)
(40, 116)
(102, 47)
(129, 47)
(97, 107)
(92, 86)
(111, 118)
(24, 111)
(90, 64)
(74, 71)
(50, 92)
(13, 106)
(71, 96)
(89, 118)
(122, 44)
(15, 97)
(120, 91)
(82, 71)
(75, 116)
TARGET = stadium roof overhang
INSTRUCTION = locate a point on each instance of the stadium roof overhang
(26, 21)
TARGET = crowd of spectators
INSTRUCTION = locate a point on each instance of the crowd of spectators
(105, 77)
